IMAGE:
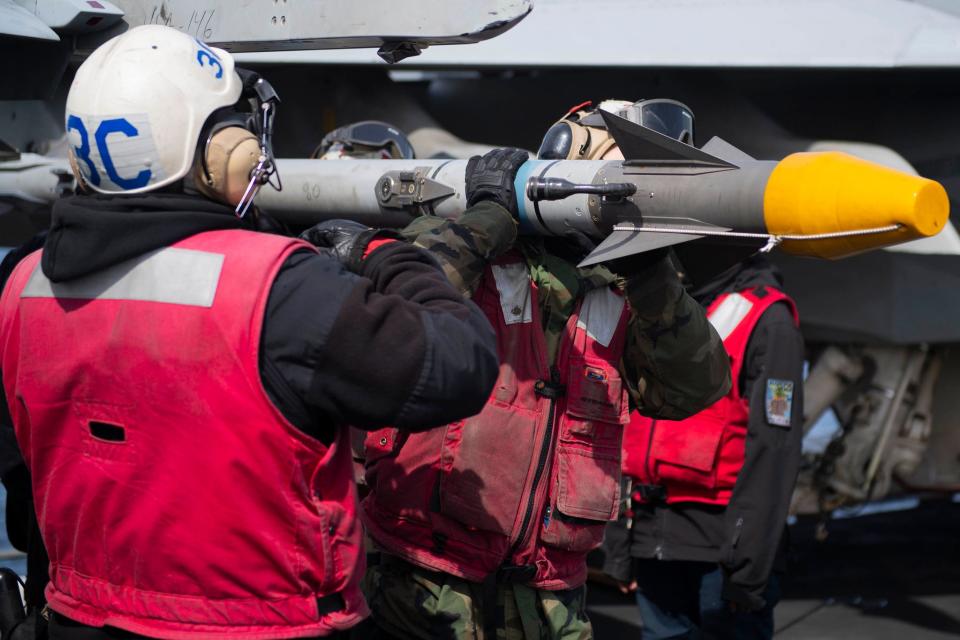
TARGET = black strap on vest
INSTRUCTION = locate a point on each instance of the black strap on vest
(652, 493)
(330, 604)
(493, 614)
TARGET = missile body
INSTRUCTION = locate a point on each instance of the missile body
(803, 197)
(35, 178)
(316, 190)
(825, 204)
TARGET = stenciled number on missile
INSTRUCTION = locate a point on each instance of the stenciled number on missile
(311, 191)
(197, 25)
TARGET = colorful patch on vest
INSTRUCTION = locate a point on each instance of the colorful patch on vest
(779, 401)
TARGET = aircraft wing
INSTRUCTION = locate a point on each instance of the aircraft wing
(17, 22)
(707, 34)
(48, 19)
(398, 27)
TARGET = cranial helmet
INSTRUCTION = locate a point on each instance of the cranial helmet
(368, 139)
(582, 134)
(154, 106)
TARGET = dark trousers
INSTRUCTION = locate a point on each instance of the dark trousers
(682, 600)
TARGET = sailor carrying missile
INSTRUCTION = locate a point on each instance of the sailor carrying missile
(701, 539)
(178, 380)
(483, 527)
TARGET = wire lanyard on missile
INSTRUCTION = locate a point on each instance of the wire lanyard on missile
(772, 240)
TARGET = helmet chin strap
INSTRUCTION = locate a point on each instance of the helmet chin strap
(266, 166)
(266, 99)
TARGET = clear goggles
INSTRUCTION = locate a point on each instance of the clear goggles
(362, 137)
(572, 139)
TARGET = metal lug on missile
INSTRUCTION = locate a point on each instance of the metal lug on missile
(410, 189)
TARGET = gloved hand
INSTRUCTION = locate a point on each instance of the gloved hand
(638, 262)
(651, 282)
(738, 599)
(573, 246)
(349, 241)
(491, 177)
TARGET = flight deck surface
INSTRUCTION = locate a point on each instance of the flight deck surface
(884, 576)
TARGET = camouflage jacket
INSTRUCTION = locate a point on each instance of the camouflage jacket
(674, 363)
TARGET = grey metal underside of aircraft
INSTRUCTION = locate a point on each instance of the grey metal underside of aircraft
(705, 33)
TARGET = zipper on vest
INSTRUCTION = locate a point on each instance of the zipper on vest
(552, 390)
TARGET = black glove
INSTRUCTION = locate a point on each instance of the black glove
(573, 246)
(637, 263)
(491, 177)
(738, 599)
(346, 239)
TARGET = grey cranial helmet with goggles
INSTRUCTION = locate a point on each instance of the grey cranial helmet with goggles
(582, 135)
(368, 139)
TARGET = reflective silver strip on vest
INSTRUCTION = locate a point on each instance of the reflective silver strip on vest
(600, 314)
(728, 315)
(173, 276)
(513, 284)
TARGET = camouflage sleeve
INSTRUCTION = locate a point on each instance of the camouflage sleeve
(674, 361)
(465, 246)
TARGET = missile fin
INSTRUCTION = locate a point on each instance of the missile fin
(620, 244)
(722, 149)
(637, 142)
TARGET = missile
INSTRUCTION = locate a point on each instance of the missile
(823, 204)
(820, 204)
(35, 178)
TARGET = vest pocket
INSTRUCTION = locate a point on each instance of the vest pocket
(595, 393)
(686, 452)
(586, 483)
(106, 433)
(571, 534)
(586, 496)
(483, 467)
(378, 445)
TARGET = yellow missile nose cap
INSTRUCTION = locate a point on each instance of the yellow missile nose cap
(828, 192)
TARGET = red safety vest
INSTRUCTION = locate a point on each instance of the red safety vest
(529, 482)
(174, 499)
(699, 459)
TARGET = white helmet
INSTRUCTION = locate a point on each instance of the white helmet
(137, 106)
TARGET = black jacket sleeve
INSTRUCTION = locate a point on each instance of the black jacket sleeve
(396, 345)
(13, 470)
(617, 560)
(10, 458)
(674, 362)
(756, 516)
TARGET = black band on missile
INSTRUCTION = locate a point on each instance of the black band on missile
(536, 203)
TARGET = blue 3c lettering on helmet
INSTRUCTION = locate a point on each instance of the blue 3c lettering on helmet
(123, 151)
